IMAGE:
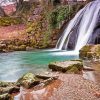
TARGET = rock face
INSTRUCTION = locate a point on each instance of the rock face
(73, 66)
(90, 52)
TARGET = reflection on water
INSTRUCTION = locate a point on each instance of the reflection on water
(15, 64)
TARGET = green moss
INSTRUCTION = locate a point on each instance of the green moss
(90, 52)
(7, 21)
(73, 70)
(87, 48)
(17, 48)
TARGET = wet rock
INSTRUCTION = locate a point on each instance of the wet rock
(88, 69)
(90, 52)
(6, 96)
(74, 66)
(45, 76)
(46, 79)
(28, 80)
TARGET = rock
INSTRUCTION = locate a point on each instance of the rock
(5, 84)
(46, 79)
(97, 94)
(2, 47)
(8, 87)
(88, 68)
(90, 52)
(29, 48)
(28, 80)
(11, 89)
(6, 96)
(74, 66)
(45, 76)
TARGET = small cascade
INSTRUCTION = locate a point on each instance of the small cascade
(81, 28)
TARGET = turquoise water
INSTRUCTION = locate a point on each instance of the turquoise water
(15, 64)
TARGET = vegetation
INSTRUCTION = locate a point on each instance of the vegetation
(43, 21)
(60, 14)
(7, 21)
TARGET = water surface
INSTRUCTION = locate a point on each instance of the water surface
(15, 64)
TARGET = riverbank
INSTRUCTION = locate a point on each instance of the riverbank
(55, 85)
(66, 87)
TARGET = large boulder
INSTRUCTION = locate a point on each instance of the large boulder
(90, 52)
(30, 80)
(73, 66)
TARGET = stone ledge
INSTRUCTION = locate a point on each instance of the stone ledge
(72, 66)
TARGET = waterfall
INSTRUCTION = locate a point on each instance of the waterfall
(80, 28)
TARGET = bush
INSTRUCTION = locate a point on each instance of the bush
(60, 14)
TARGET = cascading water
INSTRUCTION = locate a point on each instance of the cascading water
(81, 27)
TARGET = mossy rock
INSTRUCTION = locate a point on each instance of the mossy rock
(5, 84)
(9, 89)
(90, 52)
(28, 80)
(73, 70)
(6, 96)
(66, 66)
(16, 48)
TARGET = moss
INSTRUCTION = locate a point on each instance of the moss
(7, 21)
(97, 49)
(79, 66)
(76, 68)
(27, 80)
(73, 70)
(90, 52)
(86, 48)
(10, 47)
(17, 48)
(22, 47)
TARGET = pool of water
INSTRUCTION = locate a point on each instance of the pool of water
(15, 64)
